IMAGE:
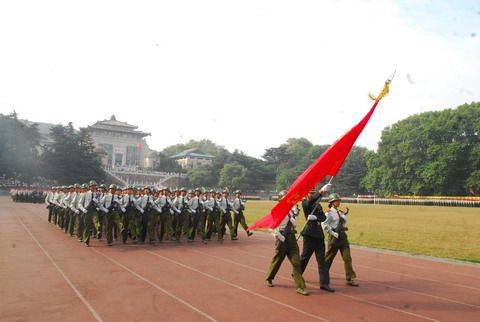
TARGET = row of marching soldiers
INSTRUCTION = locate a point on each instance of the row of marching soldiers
(27, 195)
(144, 215)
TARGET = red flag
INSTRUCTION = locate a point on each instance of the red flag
(329, 163)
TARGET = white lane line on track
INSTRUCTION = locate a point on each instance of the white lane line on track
(316, 317)
(210, 318)
(388, 285)
(310, 284)
(409, 275)
(207, 316)
(69, 282)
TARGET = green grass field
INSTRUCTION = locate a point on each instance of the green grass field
(446, 232)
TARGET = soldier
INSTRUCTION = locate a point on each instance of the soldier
(50, 204)
(99, 218)
(81, 215)
(238, 207)
(336, 226)
(180, 203)
(88, 205)
(212, 212)
(286, 245)
(147, 221)
(109, 205)
(194, 208)
(313, 238)
(128, 223)
(163, 202)
(73, 209)
(225, 216)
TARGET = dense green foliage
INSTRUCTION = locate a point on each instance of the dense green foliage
(72, 156)
(433, 153)
(18, 148)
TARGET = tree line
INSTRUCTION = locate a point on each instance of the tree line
(432, 153)
(69, 157)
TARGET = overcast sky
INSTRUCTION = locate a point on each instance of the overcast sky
(245, 74)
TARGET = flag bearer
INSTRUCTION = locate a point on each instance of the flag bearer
(336, 226)
(286, 245)
(312, 233)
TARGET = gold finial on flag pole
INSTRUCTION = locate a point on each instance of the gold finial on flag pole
(385, 89)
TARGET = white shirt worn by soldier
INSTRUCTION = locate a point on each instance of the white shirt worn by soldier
(74, 202)
(106, 201)
(193, 204)
(180, 202)
(223, 204)
(238, 205)
(129, 200)
(333, 220)
(88, 199)
(290, 217)
(144, 201)
(209, 203)
(49, 198)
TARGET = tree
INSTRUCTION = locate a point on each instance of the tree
(72, 157)
(233, 176)
(433, 153)
(19, 147)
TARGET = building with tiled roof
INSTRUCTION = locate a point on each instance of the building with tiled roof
(124, 145)
(193, 158)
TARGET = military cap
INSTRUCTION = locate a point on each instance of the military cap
(238, 191)
(183, 189)
(112, 186)
(70, 187)
(225, 191)
(102, 186)
(84, 186)
(92, 183)
(333, 197)
(76, 186)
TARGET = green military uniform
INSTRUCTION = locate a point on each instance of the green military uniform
(335, 225)
(286, 246)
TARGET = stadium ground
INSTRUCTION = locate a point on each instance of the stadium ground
(48, 276)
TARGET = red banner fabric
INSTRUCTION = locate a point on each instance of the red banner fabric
(329, 163)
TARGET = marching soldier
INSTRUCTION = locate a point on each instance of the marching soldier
(238, 207)
(74, 211)
(225, 216)
(313, 238)
(180, 203)
(148, 216)
(336, 226)
(128, 223)
(109, 205)
(88, 204)
(50, 204)
(194, 208)
(212, 214)
(286, 245)
(99, 217)
(81, 215)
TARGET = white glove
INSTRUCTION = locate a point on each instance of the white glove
(142, 211)
(311, 218)
(84, 211)
(326, 187)
(334, 234)
(77, 212)
(106, 210)
(123, 209)
(281, 237)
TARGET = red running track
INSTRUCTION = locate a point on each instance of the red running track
(47, 276)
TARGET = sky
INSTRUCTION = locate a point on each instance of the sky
(244, 74)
